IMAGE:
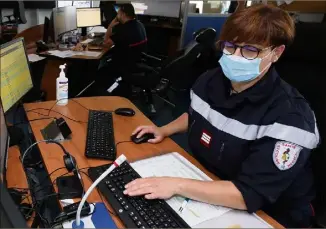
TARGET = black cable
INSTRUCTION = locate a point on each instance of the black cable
(80, 104)
(48, 176)
(33, 110)
(116, 145)
(33, 120)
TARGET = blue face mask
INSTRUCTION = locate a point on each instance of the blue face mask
(239, 69)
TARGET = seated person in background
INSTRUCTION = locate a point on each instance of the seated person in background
(128, 36)
(247, 126)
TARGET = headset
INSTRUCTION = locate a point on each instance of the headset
(68, 159)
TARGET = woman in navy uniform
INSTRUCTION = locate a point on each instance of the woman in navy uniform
(247, 126)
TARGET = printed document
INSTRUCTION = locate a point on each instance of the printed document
(175, 165)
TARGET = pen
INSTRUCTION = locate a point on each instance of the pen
(184, 204)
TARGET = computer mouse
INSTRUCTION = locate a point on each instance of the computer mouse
(125, 112)
(142, 139)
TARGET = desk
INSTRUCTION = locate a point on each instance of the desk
(85, 66)
(52, 156)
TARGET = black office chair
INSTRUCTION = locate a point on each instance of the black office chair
(303, 67)
(179, 73)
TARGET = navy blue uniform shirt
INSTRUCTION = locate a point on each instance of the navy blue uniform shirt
(260, 139)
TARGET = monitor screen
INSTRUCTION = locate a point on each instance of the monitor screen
(15, 76)
(87, 17)
(4, 144)
(64, 20)
(168, 8)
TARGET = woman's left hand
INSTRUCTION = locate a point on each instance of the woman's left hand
(153, 187)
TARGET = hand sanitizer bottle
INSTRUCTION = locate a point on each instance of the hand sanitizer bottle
(62, 87)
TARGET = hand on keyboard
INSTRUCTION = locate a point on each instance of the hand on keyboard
(153, 187)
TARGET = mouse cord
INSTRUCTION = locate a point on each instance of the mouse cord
(116, 145)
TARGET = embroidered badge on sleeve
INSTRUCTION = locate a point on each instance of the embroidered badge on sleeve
(285, 155)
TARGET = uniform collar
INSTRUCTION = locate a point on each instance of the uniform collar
(256, 94)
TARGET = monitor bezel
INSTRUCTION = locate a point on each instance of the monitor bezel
(57, 36)
(10, 209)
(88, 8)
(5, 163)
(5, 45)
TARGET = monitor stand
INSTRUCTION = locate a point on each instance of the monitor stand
(16, 135)
(84, 32)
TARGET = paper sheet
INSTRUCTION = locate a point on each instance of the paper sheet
(86, 41)
(34, 58)
(69, 53)
(174, 165)
(62, 54)
(88, 53)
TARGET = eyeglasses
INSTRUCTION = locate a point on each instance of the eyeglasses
(247, 51)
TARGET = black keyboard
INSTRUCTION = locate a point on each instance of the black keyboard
(96, 42)
(134, 212)
(100, 142)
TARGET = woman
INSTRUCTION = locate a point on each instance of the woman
(247, 126)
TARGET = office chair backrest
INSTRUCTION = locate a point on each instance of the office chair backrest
(184, 70)
(206, 36)
(302, 66)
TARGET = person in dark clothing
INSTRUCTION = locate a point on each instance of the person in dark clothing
(128, 38)
(247, 126)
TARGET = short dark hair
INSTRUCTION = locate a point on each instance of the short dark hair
(128, 9)
(259, 24)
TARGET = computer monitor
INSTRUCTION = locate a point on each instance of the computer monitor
(87, 17)
(166, 8)
(64, 20)
(10, 216)
(15, 76)
(4, 145)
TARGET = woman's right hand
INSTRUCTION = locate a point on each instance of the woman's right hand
(157, 131)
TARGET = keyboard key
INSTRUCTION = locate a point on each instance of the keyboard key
(113, 190)
(150, 222)
(139, 224)
(166, 225)
(131, 214)
(174, 225)
(126, 207)
(135, 218)
(157, 223)
(124, 203)
(146, 217)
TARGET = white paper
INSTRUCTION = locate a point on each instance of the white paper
(86, 41)
(288, 1)
(87, 53)
(235, 219)
(174, 165)
(62, 54)
(69, 53)
(34, 58)
(66, 202)
(280, 2)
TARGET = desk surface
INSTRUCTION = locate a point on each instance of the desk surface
(103, 51)
(123, 128)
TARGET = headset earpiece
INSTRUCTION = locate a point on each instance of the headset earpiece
(70, 162)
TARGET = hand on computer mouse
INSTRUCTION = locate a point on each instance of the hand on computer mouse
(158, 133)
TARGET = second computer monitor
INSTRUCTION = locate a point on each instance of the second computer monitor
(15, 76)
(64, 20)
(88, 17)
